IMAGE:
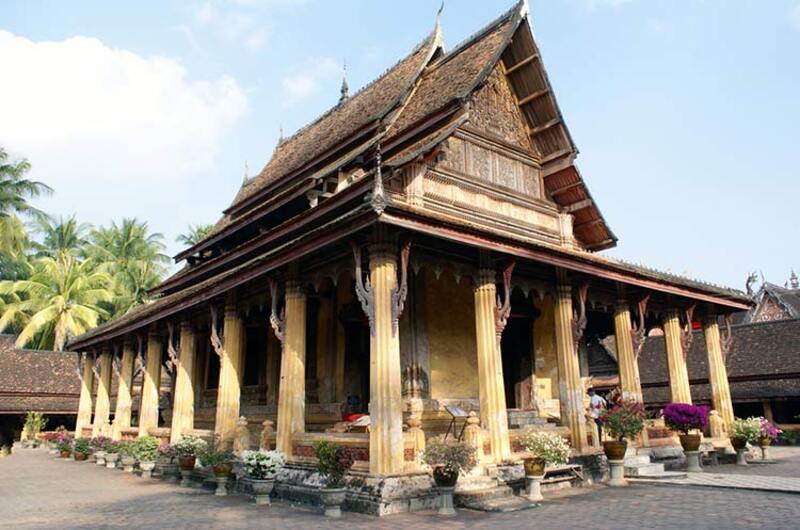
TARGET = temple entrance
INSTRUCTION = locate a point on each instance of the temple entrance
(356, 359)
(517, 352)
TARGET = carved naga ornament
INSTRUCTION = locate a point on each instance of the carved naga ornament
(216, 336)
(579, 319)
(639, 329)
(398, 295)
(172, 354)
(726, 338)
(503, 309)
(276, 320)
(686, 333)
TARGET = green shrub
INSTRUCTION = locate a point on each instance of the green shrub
(145, 448)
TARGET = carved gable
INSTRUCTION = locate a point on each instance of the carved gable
(495, 112)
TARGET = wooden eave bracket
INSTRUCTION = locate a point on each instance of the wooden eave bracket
(276, 320)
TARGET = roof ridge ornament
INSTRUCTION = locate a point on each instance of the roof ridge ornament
(345, 89)
(378, 196)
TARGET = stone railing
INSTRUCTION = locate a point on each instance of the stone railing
(303, 447)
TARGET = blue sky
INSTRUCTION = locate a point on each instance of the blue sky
(685, 112)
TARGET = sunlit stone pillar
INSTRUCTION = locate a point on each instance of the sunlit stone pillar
(102, 405)
(151, 382)
(717, 373)
(122, 414)
(84, 418)
(230, 374)
(183, 404)
(629, 381)
(570, 388)
(676, 359)
(385, 392)
(491, 389)
(292, 388)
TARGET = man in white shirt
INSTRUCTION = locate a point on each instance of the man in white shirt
(596, 407)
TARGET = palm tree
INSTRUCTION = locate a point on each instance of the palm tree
(61, 235)
(15, 190)
(14, 245)
(194, 234)
(60, 300)
(132, 257)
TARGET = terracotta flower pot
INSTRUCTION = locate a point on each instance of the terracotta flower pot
(615, 449)
(186, 463)
(690, 442)
(534, 467)
(739, 443)
(443, 478)
(764, 441)
(222, 470)
(65, 453)
(80, 457)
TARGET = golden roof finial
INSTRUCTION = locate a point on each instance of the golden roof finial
(345, 90)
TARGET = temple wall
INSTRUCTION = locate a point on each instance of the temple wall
(544, 348)
(451, 333)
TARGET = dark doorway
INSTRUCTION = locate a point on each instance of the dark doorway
(356, 359)
(516, 346)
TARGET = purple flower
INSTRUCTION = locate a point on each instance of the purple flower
(768, 430)
(684, 417)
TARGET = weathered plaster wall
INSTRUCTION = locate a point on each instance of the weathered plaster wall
(544, 348)
(451, 334)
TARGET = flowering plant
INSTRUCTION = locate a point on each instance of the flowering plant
(100, 443)
(625, 419)
(333, 462)
(768, 429)
(166, 450)
(455, 457)
(112, 448)
(262, 464)
(548, 446)
(64, 443)
(82, 445)
(749, 429)
(190, 446)
(145, 448)
(50, 436)
(683, 417)
(126, 448)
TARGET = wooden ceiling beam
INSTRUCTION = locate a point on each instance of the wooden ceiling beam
(522, 63)
(532, 96)
(543, 127)
(555, 155)
(566, 187)
(587, 223)
(580, 205)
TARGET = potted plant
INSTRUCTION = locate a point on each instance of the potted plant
(187, 449)
(81, 448)
(744, 431)
(99, 445)
(34, 423)
(221, 462)
(145, 449)
(112, 454)
(545, 448)
(625, 419)
(332, 463)
(260, 467)
(683, 417)
(768, 432)
(448, 460)
(64, 445)
(50, 439)
(127, 455)
(165, 462)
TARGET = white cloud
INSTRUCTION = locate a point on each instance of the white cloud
(794, 16)
(309, 78)
(84, 112)
(204, 14)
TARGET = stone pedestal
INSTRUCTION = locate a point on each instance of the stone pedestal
(446, 498)
(222, 486)
(616, 472)
(186, 478)
(111, 461)
(100, 458)
(693, 461)
(764, 452)
(741, 457)
(147, 469)
(533, 486)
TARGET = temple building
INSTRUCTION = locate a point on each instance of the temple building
(427, 242)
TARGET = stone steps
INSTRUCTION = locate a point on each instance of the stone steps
(641, 466)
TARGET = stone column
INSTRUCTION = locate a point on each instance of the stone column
(292, 388)
(676, 359)
(629, 381)
(570, 388)
(491, 389)
(385, 390)
(84, 418)
(325, 355)
(151, 382)
(102, 405)
(122, 415)
(231, 365)
(717, 373)
(273, 368)
(183, 404)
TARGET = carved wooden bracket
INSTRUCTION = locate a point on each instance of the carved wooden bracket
(639, 330)
(276, 320)
(579, 316)
(172, 354)
(503, 308)
(400, 290)
(726, 338)
(686, 332)
(139, 356)
(364, 290)
(216, 336)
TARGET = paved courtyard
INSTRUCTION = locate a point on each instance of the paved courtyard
(38, 491)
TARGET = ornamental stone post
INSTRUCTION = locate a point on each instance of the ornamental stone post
(676, 359)
(292, 387)
(151, 382)
(183, 404)
(570, 388)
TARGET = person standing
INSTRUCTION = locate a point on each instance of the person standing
(597, 404)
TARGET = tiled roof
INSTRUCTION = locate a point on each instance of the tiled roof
(764, 361)
(788, 299)
(37, 380)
